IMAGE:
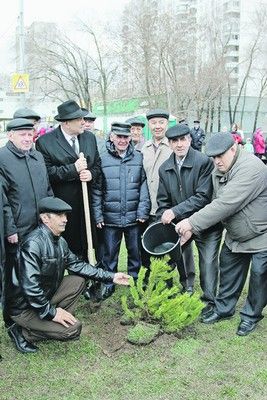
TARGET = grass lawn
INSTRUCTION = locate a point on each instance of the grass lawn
(203, 362)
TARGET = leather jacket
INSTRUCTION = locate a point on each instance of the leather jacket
(40, 270)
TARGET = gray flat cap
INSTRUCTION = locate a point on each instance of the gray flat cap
(177, 131)
(120, 128)
(53, 205)
(26, 113)
(218, 144)
(89, 116)
(19, 124)
(135, 122)
(157, 113)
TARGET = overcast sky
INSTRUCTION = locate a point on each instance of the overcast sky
(63, 12)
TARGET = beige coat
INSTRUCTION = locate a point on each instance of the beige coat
(240, 202)
(152, 161)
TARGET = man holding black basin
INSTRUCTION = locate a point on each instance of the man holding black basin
(185, 186)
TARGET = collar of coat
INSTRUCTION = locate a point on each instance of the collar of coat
(171, 163)
(150, 142)
(111, 149)
(20, 153)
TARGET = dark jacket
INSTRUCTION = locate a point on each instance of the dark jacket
(198, 138)
(64, 178)
(5, 221)
(124, 197)
(25, 182)
(186, 191)
(44, 259)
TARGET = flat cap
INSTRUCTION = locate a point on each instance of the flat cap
(157, 113)
(18, 124)
(177, 131)
(219, 143)
(135, 122)
(89, 116)
(120, 128)
(53, 205)
(26, 113)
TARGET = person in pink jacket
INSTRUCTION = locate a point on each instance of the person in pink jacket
(258, 143)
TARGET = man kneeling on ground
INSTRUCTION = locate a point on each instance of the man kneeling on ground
(43, 299)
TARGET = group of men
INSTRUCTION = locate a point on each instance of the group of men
(41, 184)
(129, 186)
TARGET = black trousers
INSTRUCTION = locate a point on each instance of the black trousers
(234, 268)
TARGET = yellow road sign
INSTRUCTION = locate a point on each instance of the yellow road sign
(20, 83)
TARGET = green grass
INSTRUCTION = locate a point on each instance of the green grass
(204, 362)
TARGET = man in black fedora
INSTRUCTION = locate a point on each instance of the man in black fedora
(67, 171)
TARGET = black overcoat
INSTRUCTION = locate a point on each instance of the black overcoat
(64, 178)
(188, 190)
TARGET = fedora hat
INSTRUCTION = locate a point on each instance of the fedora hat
(69, 110)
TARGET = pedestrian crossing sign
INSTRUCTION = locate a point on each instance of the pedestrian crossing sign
(20, 83)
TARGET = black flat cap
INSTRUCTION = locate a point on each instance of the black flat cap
(120, 128)
(69, 110)
(135, 122)
(19, 124)
(26, 113)
(89, 116)
(53, 205)
(218, 144)
(177, 131)
(157, 113)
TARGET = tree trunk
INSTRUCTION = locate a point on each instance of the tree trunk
(219, 112)
(207, 117)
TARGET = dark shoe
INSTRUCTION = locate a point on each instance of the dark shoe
(190, 289)
(187, 289)
(207, 310)
(213, 317)
(107, 291)
(22, 345)
(245, 328)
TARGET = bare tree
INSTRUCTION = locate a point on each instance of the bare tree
(262, 94)
(105, 66)
(65, 70)
(139, 52)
